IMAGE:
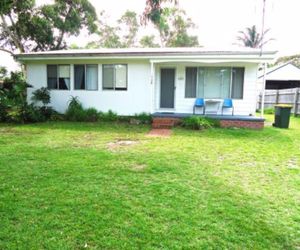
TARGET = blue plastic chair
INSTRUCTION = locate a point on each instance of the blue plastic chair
(199, 103)
(227, 104)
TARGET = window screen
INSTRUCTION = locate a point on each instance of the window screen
(91, 77)
(237, 83)
(79, 75)
(64, 76)
(214, 82)
(191, 82)
(121, 77)
(52, 77)
(115, 76)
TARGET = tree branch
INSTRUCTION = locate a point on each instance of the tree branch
(11, 34)
(8, 51)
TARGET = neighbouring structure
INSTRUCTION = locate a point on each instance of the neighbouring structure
(161, 81)
(284, 76)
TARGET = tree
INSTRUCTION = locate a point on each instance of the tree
(3, 72)
(25, 27)
(129, 23)
(294, 58)
(108, 36)
(153, 10)
(173, 29)
(171, 23)
(148, 42)
(121, 36)
(251, 38)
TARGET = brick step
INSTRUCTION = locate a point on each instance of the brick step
(164, 122)
(161, 122)
(162, 126)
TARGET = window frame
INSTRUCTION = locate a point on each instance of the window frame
(85, 76)
(57, 76)
(230, 87)
(114, 77)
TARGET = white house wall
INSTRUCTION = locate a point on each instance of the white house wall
(135, 99)
(245, 106)
(138, 97)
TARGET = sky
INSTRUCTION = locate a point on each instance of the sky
(217, 21)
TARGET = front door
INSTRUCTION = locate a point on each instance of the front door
(167, 88)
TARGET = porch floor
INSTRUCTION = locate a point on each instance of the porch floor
(213, 116)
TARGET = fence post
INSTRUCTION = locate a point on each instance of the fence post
(296, 101)
(277, 96)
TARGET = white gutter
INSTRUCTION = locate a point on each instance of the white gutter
(154, 58)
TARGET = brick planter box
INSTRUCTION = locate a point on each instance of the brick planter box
(242, 124)
(161, 120)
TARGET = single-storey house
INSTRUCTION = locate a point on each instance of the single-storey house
(152, 80)
(284, 76)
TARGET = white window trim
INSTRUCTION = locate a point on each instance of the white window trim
(114, 78)
(57, 76)
(85, 75)
(230, 86)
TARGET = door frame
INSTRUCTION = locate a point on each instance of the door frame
(175, 87)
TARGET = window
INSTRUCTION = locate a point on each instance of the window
(115, 76)
(237, 83)
(190, 82)
(58, 77)
(86, 77)
(213, 82)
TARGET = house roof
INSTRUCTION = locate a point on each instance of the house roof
(151, 53)
(284, 72)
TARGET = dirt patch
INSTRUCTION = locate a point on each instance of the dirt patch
(113, 146)
(160, 132)
(292, 164)
(138, 167)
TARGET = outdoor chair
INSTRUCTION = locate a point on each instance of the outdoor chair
(199, 103)
(227, 104)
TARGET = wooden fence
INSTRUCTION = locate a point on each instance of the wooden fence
(282, 96)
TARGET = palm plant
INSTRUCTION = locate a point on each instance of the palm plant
(251, 38)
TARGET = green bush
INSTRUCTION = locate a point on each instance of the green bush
(75, 111)
(269, 111)
(124, 118)
(13, 101)
(197, 123)
(143, 118)
(37, 114)
(91, 115)
(13, 98)
(110, 116)
(41, 95)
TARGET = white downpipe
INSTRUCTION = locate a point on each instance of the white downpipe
(263, 92)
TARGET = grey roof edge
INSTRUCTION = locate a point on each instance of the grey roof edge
(141, 53)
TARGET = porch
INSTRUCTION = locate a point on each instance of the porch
(169, 119)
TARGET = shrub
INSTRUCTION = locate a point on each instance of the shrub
(36, 114)
(110, 116)
(143, 118)
(124, 118)
(268, 111)
(41, 95)
(197, 123)
(91, 115)
(75, 111)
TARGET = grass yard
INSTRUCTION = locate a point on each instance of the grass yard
(70, 186)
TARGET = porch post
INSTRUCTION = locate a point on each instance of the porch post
(152, 86)
(263, 92)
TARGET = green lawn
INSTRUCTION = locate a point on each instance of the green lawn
(65, 186)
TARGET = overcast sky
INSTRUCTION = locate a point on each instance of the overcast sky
(217, 21)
